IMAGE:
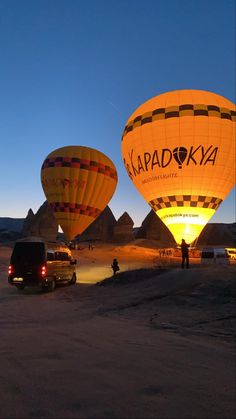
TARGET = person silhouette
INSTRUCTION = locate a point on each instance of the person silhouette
(115, 266)
(185, 254)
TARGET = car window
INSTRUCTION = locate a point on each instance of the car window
(32, 252)
(62, 256)
(220, 255)
(50, 256)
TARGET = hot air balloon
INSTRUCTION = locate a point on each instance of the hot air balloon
(178, 150)
(78, 183)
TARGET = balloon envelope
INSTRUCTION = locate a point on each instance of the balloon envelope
(178, 150)
(78, 183)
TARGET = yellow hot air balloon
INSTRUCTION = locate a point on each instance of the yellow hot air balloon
(78, 183)
(179, 151)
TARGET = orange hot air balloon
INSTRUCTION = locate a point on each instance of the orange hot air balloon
(78, 183)
(178, 150)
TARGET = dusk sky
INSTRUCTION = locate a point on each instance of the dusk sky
(72, 72)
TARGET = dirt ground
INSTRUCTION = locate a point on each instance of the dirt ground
(155, 341)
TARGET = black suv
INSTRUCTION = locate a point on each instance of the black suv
(35, 262)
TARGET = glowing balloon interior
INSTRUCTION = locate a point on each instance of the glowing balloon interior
(78, 183)
(178, 150)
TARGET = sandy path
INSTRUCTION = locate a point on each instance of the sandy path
(95, 265)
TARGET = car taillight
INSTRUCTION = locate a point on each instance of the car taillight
(10, 269)
(43, 270)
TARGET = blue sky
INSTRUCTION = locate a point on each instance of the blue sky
(72, 72)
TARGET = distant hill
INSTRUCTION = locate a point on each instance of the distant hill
(213, 234)
(12, 224)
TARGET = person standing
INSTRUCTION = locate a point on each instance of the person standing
(115, 266)
(185, 254)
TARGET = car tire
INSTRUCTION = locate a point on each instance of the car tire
(73, 279)
(44, 288)
(52, 285)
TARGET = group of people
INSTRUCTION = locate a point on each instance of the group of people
(185, 258)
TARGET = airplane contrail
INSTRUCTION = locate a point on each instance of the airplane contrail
(114, 106)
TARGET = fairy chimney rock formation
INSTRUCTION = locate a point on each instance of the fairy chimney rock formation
(27, 223)
(42, 224)
(101, 228)
(153, 228)
(123, 230)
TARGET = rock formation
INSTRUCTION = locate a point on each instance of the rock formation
(105, 228)
(42, 224)
(215, 234)
(153, 228)
(101, 229)
(123, 229)
(29, 221)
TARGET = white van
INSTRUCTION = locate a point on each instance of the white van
(214, 255)
(231, 253)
